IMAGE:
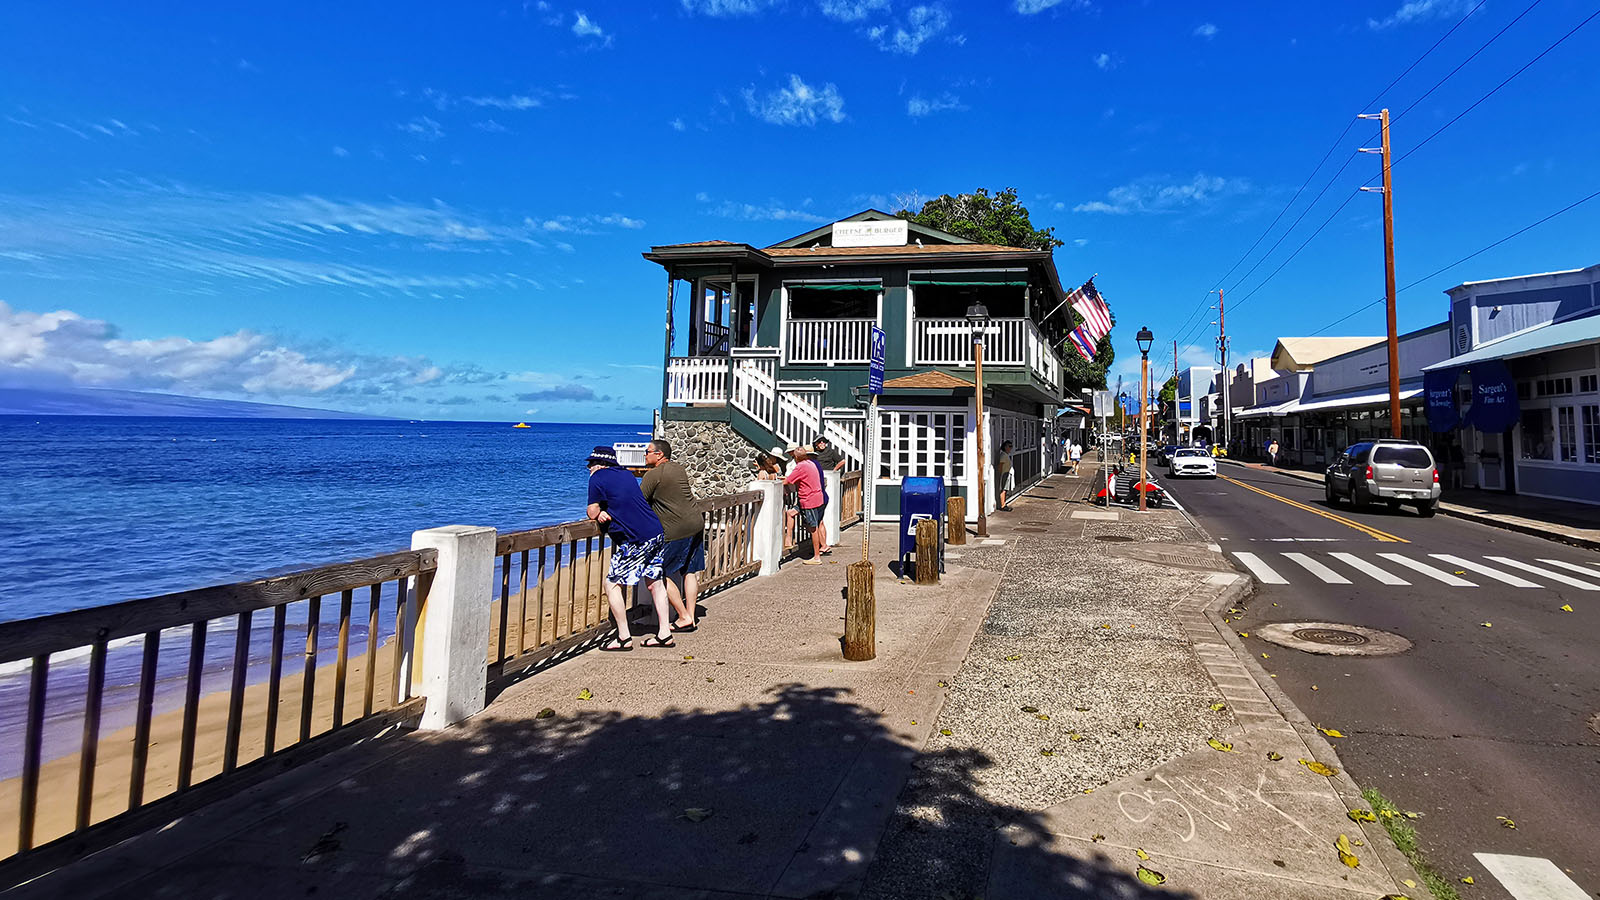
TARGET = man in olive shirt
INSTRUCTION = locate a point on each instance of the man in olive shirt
(827, 455)
(666, 486)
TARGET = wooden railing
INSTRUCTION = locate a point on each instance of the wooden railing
(730, 539)
(554, 579)
(828, 341)
(236, 711)
(850, 503)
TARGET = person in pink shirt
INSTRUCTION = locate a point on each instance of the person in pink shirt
(805, 476)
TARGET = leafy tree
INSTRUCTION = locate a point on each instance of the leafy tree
(984, 217)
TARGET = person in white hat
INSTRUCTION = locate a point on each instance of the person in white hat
(805, 476)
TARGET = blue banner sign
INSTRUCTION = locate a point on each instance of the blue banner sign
(880, 354)
(1494, 397)
(1440, 390)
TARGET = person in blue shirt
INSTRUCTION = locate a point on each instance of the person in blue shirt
(617, 504)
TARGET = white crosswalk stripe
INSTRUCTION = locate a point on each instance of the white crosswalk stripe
(1482, 569)
(1328, 575)
(1321, 567)
(1553, 576)
(1430, 571)
(1531, 877)
(1366, 568)
(1263, 572)
(1585, 570)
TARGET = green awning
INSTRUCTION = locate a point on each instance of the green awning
(973, 283)
(836, 287)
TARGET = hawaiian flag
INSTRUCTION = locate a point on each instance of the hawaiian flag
(1092, 307)
(1082, 342)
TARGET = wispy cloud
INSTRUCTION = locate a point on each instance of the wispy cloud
(1104, 62)
(490, 126)
(508, 102)
(726, 8)
(1032, 7)
(1162, 195)
(1421, 11)
(1206, 30)
(678, 125)
(422, 127)
(771, 211)
(852, 10)
(919, 106)
(585, 27)
(797, 104)
(340, 152)
(921, 24)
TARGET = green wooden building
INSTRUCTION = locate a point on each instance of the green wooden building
(768, 346)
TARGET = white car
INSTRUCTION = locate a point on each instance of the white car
(1192, 461)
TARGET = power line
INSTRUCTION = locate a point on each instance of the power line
(1464, 62)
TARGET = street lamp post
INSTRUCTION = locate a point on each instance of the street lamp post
(978, 317)
(1145, 339)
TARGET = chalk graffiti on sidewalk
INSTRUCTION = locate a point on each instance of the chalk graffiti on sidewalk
(1194, 800)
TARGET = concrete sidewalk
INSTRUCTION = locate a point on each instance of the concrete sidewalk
(752, 761)
(1553, 520)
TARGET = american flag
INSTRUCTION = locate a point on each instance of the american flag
(1089, 304)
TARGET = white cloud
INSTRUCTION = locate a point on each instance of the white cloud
(677, 125)
(340, 152)
(1157, 195)
(1031, 7)
(726, 8)
(772, 211)
(1104, 62)
(512, 102)
(1206, 30)
(919, 106)
(1421, 11)
(852, 10)
(621, 221)
(490, 126)
(583, 27)
(797, 104)
(1078, 242)
(423, 127)
(922, 23)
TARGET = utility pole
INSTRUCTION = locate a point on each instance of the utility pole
(1227, 374)
(1175, 405)
(1388, 269)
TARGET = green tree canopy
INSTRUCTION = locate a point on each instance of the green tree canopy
(984, 217)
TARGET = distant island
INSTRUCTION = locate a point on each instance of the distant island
(99, 402)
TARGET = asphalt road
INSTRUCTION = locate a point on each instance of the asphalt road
(1476, 721)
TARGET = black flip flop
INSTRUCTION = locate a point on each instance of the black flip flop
(623, 645)
(653, 641)
(684, 629)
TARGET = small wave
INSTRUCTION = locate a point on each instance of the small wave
(22, 666)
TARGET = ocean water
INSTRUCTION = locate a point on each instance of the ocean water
(98, 510)
(95, 510)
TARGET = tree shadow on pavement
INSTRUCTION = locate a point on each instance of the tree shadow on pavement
(788, 796)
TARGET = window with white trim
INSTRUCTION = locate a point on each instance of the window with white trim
(926, 443)
(1566, 434)
(1591, 434)
(1587, 384)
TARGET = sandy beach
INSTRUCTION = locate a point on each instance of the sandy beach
(58, 778)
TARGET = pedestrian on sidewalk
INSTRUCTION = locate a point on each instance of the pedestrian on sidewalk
(805, 476)
(827, 455)
(1077, 456)
(1004, 478)
(1272, 453)
(671, 495)
(619, 507)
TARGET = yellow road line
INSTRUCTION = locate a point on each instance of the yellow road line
(1364, 529)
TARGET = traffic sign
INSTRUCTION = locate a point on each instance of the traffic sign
(880, 355)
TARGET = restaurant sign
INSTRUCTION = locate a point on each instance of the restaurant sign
(882, 233)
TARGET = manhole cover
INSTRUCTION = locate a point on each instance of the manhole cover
(1333, 639)
(1336, 637)
(1114, 538)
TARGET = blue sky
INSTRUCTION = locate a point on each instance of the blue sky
(437, 210)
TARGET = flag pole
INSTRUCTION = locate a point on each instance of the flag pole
(1069, 297)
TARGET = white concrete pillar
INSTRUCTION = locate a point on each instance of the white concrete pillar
(453, 624)
(833, 484)
(768, 537)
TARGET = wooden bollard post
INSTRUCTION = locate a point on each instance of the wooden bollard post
(860, 613)
(928, 552)
(955, 520)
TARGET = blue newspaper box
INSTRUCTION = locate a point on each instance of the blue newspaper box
(920, 498)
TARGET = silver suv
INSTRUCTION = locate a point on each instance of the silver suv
(1388, 469)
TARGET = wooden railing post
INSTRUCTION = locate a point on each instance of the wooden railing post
(452, 625)
(955, 527)
(768, 531)
(928, 551)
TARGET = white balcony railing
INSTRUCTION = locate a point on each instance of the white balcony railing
(1007, 342)
(829, 341)
(701, 380)
(755, 382)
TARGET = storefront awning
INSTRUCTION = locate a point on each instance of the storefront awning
(1353, 402)
(801, 285)
(1560, 335)
(1259, 411)
(919, 281)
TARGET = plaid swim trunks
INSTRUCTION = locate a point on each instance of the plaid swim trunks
(632, 561)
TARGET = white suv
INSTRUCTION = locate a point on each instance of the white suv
(1192, 461)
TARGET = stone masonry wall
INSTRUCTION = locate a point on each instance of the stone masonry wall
(716, 457)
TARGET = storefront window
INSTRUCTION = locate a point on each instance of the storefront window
(1538, 435)
(1591, 434)
(1567, 432)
